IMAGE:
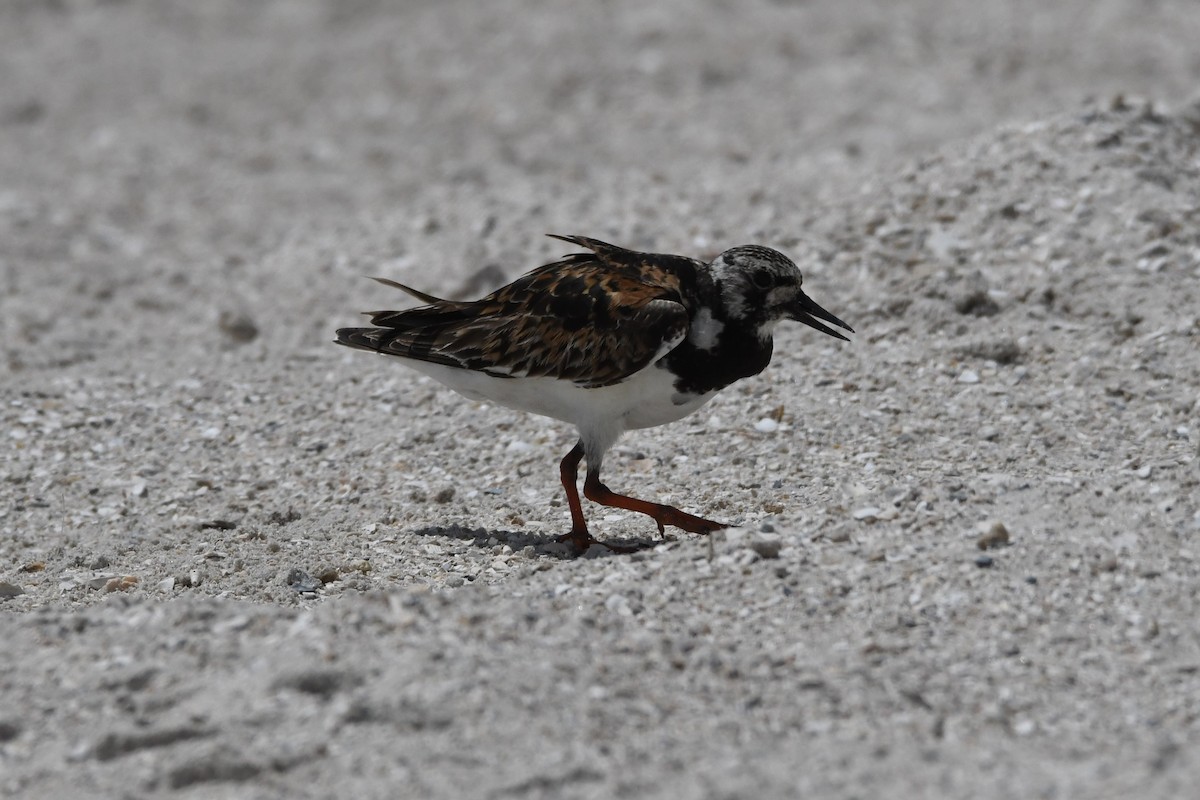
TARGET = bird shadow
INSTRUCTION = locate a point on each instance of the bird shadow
(543, 544)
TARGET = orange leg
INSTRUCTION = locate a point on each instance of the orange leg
(569, 471)
(597, 492)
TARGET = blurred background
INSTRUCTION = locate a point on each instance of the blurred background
(180, 179)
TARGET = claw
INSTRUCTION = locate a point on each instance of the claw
(582, 540)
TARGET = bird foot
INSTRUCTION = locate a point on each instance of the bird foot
(582, 540)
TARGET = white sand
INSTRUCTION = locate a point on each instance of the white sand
(189, 196)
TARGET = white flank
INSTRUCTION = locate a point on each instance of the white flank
(705, 329)
(648, 398)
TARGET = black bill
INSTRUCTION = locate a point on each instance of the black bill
(806, 311)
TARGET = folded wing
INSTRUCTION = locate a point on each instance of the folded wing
(592, 318)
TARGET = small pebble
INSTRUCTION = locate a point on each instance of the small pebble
(619, 604)
(766, 425)
(121, 584)
(9, 729)
(10, 589)
(983, 562)
(743, 558)
(302, 582)
(838, 534)
(766, 545)
(869, 513)
(968, 376)
(996, 536)
(736, 537)
(240, 328)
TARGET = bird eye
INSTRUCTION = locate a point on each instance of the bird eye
(761, 279)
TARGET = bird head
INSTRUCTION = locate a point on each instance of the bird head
(760, 287)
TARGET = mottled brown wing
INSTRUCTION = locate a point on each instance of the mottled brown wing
(594, 319)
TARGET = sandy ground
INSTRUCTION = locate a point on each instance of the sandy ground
(238, 561)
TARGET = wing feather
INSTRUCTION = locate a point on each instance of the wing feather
(591, 318)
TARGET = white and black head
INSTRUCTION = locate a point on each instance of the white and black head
(760, 287)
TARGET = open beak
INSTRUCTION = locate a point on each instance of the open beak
(806, 311)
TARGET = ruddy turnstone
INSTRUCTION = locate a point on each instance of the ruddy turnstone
(607, 340)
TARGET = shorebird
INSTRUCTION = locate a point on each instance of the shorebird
(608, 340)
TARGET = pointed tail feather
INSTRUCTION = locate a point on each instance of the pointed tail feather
(422, 296)
(595, 245)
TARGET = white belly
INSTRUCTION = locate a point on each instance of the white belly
(646, 399)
